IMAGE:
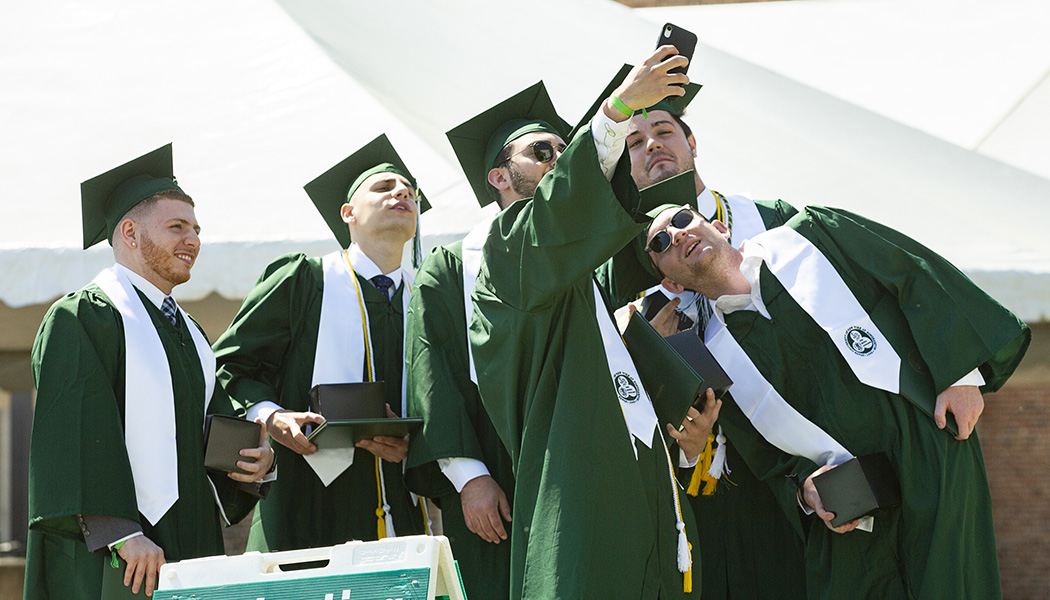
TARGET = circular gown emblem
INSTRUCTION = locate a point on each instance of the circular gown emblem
(860, 341)
(626, 388)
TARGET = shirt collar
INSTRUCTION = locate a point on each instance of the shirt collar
(364, 266)
(707, 204)
(143, 285)
(750, 268)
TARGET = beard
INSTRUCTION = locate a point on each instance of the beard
(160, 261)
(522, 184)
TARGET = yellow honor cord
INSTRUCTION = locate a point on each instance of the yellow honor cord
(724, 214)
(700, 472)
(380, 511)
(426, 517)
(687, 580)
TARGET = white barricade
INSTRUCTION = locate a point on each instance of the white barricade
(413, 567)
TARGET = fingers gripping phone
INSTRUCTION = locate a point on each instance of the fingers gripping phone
(682, 39)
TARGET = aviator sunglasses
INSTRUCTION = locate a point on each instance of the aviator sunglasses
(542, 151)
(662, 240)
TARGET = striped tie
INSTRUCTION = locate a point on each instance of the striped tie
(168, 308)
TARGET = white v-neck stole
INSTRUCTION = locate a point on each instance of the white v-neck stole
(149, 401)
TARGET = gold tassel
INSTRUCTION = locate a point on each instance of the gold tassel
(700, 472)
(381, 525)
(687, 577)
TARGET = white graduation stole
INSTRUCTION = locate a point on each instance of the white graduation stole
(637, 408)
(818, 288)
(472, 245)
(149, 401)
(344, 348)
(638, 411)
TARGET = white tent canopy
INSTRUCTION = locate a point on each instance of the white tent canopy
(259, 97)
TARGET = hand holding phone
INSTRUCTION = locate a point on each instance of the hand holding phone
(682, 39)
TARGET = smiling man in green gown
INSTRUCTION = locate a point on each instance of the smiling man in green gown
(124, 378)
(845, 338)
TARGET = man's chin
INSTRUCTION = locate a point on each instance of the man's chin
(662, 171)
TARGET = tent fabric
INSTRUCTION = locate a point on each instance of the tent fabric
(914, 129)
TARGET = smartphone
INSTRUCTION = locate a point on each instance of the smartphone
(682, 39)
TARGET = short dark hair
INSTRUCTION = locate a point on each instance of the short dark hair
(148, 203)
(681, 123)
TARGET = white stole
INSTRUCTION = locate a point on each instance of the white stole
(816, 286)
(819, 289)
(637, 407)
(343, 348)
(149, 401)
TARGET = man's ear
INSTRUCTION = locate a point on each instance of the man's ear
(127, 233)
(721, 228)
(498, 179)
(346, 211)
(692, 143)
(671, 286)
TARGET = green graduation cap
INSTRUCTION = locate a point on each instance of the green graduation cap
(672, 104)
(105, 199)
(333, 188)
(479, 140)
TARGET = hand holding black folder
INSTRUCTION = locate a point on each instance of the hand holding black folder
(224, 438)
(354, 412)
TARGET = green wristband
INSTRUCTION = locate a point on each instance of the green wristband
(620, 106)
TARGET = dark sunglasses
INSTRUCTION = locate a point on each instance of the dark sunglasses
(542, 151)
(662, 240)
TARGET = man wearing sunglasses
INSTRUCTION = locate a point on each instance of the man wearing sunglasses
(744, 531)
(855, 339)
(458, 458)
(595, 506)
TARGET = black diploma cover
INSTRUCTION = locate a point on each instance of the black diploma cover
(224, 438)
(354, 412)
(859, 487)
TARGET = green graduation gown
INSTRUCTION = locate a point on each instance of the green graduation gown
(268, 354)
(455, 422)
(940, 543)
(743, 531)
(593, 517)
(78, 462)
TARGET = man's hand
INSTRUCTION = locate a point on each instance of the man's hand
(812, 499)
(263, 456)
(965, 402)
(286, 427)
(144, 559)
(665, 321)
(650, 82)
(692, 439)
(390, 449)
(483, 503)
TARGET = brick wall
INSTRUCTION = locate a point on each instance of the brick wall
(1015, 437)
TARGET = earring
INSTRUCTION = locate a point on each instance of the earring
(133, 245)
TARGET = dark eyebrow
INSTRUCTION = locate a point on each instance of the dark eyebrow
(182, 221)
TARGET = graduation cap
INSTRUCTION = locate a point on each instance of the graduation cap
(105, 199)
(479, 140)
(333, 188)
(673, 104)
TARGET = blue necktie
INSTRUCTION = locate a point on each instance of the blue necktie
(168, 308)
(383, 284)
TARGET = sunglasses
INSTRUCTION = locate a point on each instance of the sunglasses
(542, 151)
(662, 240)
